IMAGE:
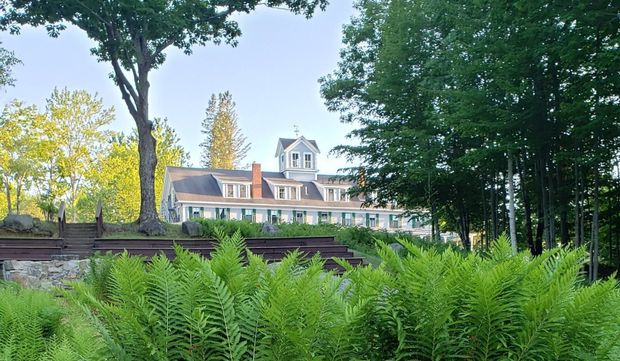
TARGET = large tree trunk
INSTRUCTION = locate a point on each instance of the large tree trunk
(511, 206)
(149, 221)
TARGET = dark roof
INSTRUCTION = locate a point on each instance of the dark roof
(199, 185)
(286, 142)
(333, 180)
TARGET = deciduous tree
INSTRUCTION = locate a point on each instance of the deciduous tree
(133, 35)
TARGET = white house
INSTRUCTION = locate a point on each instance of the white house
(296, 193)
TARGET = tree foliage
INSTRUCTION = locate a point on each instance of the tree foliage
(132, 36)
(224, 144)
(446, 94)
(21, 151)
(74, 131)
(114, 179)
(425, 305)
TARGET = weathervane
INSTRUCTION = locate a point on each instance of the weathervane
(296, 131)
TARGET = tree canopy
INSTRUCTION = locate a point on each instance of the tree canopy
(133, 36)
(447, 94)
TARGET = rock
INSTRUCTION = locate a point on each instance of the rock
(269, 228)
(18, 222)
(152, 227)
(191, 228)
(397, 247)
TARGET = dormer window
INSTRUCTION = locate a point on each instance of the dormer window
(295, 160)
(281, 193)
(308, 160)
(287, 192)
(232, 190)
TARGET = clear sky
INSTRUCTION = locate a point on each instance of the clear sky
(272, 74)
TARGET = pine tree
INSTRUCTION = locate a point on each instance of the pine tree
(224, 145)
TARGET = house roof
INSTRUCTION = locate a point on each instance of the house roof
(333, 180)
(287, 142)
(199, 185)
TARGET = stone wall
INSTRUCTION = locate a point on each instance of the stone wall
(45, 274)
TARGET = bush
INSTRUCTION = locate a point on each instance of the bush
(247, 229)
(427, 305)
(34, 326)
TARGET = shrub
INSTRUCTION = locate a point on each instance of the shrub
(33, 326)
(247, 229)
(426, 305)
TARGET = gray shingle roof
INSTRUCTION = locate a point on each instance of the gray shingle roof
(199, 185)
(286, 142)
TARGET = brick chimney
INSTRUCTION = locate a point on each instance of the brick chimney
(257, 181)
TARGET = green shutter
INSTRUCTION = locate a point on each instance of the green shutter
(329, 217)
(279, 215)
(377, 221)
(269, 215)
(243, 214)
(353, 219)
(191, 213)
(305, 214)
(367, 219)
(342, 221)
(254, 215)
(227, 213)
(217, 213)
(318, 217)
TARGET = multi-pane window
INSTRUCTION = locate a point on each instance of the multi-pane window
(347, 220)
(295, 160)
(307, 160)
(299, 217)
(248, 215)
(293, 193)
(230, 190)
(394, 222)
(331, 194)
(281, 193)
(372, 221)
(323, 217)
(274, 218)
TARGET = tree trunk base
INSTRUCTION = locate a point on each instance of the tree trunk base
(152, 227)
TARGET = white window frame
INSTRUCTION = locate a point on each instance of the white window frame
(248, 212)
(227, 188)
(396, 222)
(297, 216)
(348, 219)
(311, 161)
(281, 191)
(293, 193)
(324, 217)
(293, 165)
(331, 194)
(245, 188)
(373, 222)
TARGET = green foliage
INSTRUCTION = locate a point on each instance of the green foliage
(224, 145)
(426, 305)
(34, 326)
(197, 309)
(247, 229)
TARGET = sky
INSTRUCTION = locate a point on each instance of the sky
(272, 74)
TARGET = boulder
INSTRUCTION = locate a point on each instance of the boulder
(18, 222)
(397, 247)
(191, 228)
(269, 228)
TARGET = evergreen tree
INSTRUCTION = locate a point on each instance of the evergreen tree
(224, 145)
